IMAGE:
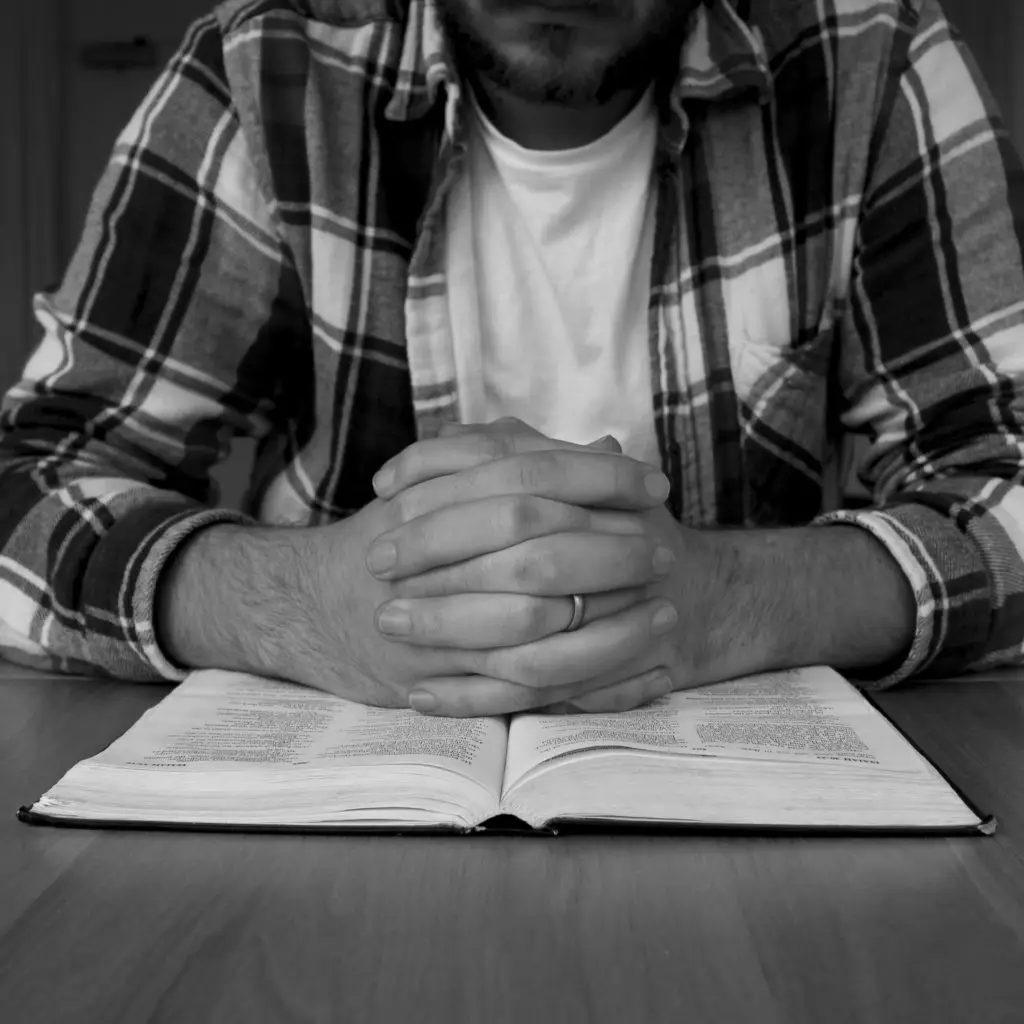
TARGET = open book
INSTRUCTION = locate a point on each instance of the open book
(799, 749)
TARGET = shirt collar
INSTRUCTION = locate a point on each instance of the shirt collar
(723, 57)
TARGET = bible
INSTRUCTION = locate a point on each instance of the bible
(795, 750)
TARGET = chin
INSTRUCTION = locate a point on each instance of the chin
(551, 77)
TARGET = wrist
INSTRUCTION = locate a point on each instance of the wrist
(735, 638)
(817, 595)
(233, 597)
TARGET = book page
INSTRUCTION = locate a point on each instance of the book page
(809, 715)
(223, 722)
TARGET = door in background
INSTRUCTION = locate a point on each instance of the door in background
(994, 31)
(99, 101)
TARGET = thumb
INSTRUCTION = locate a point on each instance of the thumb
(606, 444)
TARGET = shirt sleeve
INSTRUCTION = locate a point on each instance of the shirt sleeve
(932, 354)
(155, 353)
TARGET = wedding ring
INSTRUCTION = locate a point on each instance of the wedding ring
(579, 609)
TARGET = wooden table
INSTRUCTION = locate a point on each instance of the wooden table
(113, 927)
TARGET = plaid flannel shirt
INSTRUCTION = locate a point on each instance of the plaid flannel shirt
(838, 254)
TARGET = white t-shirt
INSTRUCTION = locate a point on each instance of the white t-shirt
(549, 270)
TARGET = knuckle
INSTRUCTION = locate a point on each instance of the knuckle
(542, 471)
(406, 506)
(534, 570)
(529, 620)
(426, 620)
(494, 446)
(579, 519)
(528, 670)
(420, 542)
(523, 667)
(520, 517)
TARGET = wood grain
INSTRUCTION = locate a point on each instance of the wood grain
(165, 927)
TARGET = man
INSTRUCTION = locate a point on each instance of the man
(437, 250)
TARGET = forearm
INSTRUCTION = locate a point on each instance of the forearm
(236, 598)
(821, 595)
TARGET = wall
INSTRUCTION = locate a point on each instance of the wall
(29, 124)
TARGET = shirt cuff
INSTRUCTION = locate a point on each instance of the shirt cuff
(130, 559)
(891, 533)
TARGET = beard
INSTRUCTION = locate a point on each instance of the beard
(558, 68)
